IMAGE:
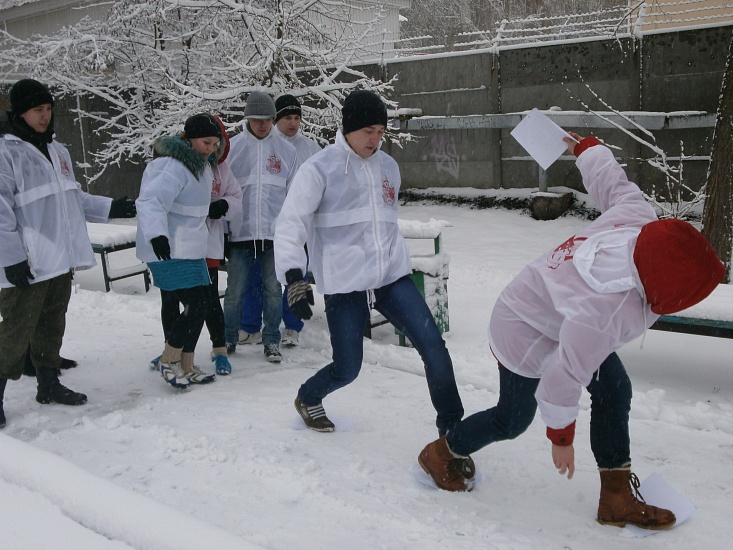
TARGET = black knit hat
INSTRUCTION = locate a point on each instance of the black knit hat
(28, 93)
(363, 108)
(286, 105)
(201, 125)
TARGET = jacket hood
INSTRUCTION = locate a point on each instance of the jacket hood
(605, 262)
(176, 148)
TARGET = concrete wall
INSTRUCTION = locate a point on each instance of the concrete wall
(664, 72)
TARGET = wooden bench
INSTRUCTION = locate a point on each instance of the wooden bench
(711, 317)
(109, 238)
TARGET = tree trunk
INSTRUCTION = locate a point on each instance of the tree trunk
(718, 213)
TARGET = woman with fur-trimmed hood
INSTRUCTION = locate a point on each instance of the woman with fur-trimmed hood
(172, 237)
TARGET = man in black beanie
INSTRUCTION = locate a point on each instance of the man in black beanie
(43, 210)
(344, 201)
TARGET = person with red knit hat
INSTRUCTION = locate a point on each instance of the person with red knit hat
(555, 329)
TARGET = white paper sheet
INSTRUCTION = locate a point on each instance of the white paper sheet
(541, 138)
(658, 492)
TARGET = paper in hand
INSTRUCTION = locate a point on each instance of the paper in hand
(542, 138)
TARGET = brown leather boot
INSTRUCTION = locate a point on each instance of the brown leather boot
(619, 505)
(444, 467)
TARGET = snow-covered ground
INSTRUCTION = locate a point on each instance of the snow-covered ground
(228, 465)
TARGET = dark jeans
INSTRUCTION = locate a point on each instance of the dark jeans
(183, 328)
(610, 392)
(402, 305)
(215, 317)
(253, 302)
(239, 267)
(35, 318)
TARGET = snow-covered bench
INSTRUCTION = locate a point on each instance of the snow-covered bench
(429, 272)
(711, 317)
(107, 238)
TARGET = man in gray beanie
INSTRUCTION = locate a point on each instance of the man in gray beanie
(344, 200)
(264, 165)
(288, 114)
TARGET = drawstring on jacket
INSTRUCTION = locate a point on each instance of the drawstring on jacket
(371, 298)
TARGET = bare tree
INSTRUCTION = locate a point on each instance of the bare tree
(155, 62)
(718, 213)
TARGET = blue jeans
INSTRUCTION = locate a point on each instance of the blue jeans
(610, 392)
(252, 305)
(239, 267)
(402, 305)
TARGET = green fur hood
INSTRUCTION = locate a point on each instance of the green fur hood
(175, 147)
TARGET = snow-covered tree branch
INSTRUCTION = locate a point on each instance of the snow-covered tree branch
(152, 63)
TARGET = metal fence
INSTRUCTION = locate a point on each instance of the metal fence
(625, 20)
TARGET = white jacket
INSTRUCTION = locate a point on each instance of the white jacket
(304, 146)
(43, 211)
(567, 311)
(345, 208)
(264, 169)
(225, 186)
(174, 203)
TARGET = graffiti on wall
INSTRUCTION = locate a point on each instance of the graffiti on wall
(442, 149)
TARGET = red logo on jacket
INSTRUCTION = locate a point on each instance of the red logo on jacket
(64, 166)
(216, 186)
(564, 252)
(388, 192)
(274, 164)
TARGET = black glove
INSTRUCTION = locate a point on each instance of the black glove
(122, 208)
(161, 247)
(300, 294)
(218, 208)
(18, 275)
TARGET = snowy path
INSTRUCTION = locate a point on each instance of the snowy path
(232, 454)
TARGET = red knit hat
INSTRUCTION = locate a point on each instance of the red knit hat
(677, 266)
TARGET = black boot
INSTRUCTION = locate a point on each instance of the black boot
(3, 382)
(67, 363)
(50, 390)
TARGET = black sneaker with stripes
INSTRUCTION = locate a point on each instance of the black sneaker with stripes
(314, 416)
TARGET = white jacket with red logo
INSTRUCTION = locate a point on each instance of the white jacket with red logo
(224, 186)
(43, 211)
(264, 169)
(567, 311)
(345, 208)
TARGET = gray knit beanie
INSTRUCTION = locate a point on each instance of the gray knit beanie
(259, 106)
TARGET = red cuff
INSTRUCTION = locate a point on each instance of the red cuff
(585, 143)
(562, 437)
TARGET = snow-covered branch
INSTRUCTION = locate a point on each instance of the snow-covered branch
(150, 64)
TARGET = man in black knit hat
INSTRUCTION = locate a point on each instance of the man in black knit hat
(43, 240)
(343, 201)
